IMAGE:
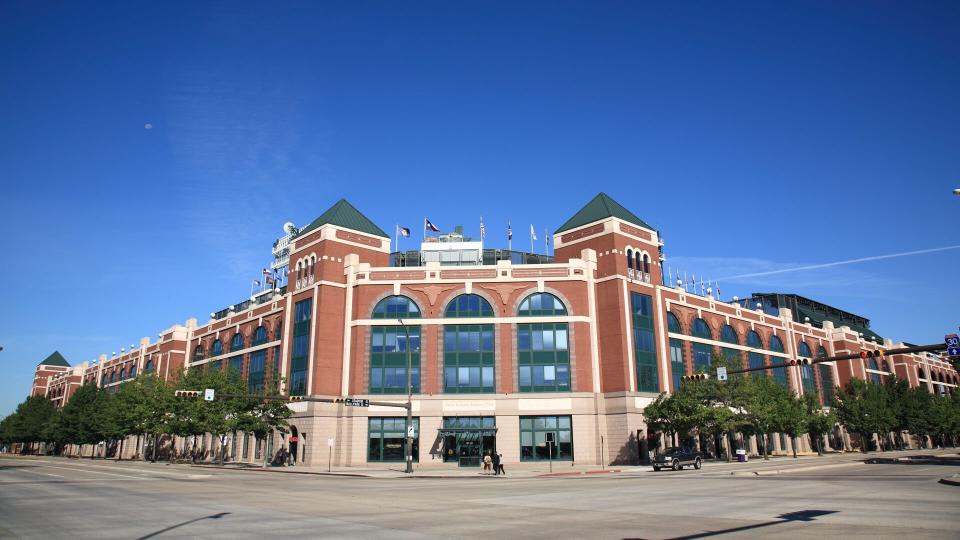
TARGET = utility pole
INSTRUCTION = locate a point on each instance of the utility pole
(408, 425)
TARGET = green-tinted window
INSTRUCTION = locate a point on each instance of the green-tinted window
(648, 379)
(468, 305)
(729, 335)
(302, 315)
(543, 357)
(388, 359)
(386, 439)
(544, 436)
(825, 371)
(540, 304)
(676, 361)
(259, 336)
(468, 358)
(396, 307)
(754, 358)
(780, 373)
(673, 323)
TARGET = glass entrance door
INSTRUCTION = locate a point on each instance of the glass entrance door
(466, 439)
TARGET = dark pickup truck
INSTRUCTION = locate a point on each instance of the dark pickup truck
(675, 457)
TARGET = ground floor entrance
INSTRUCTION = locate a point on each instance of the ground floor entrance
(467, 439)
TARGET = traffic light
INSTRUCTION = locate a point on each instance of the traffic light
(188, 393)
(295, 398)
(879, 353)
(793, 362)
(696, 377)
(804, 362)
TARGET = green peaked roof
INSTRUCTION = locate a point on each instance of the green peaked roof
(601, 207)
(343, 214)
(55, 359)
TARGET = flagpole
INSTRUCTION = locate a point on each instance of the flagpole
(532, 250)
(509, 238)
(424, 228)
(546, 243)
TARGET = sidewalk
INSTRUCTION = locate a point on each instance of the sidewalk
(755, 467)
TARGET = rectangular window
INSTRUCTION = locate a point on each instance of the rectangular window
(543, 357)
(543, 437)
(255, 378)
(468, 358)
(645, 353)
(386, 439)
(388, 359)
(299, 358)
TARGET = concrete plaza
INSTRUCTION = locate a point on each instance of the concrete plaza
(816, 497)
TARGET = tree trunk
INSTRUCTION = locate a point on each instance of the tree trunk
(222, 448)
(763, 446)
(794, 440)
(120, 451)
(265, 456)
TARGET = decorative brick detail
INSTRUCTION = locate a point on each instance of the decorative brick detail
(540, 272)
(384, 276)
(504, 290)
(576, 235)
(359, 239)
(468, 274)
(639, 233)
(433, 291)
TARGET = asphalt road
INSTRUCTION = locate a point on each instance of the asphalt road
(58, 498)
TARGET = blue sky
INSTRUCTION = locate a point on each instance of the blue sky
(755, 136)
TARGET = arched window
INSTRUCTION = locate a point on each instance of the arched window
(259, 336)
(729, 335)
(149, 366)
(806, 372)
(133, 371)
(104, 379)
(646, 263)
(825, 371)
(396, 307)
(538, 304)
(673, 324)
(755, 359)
(803, 350)
(123, 373)
(645, 353)
(468, 349)
(701, 352)
(236, 343)
(198, 353)
(630, 259)
(113, 376)
(780, 373)
(389, 346)
(543, 348)
(636, 259)
(217, 348)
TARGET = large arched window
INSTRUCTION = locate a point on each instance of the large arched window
(104, 379)
(396, 307)
(677, 369)
(825, 371)
(538, 304)
(806, 372)
(468, 349)
(149, 367)
(543, 356)
(217, 348)
(236, 343)
(630, 259)
(754, 357)
(701, 351)
(123, 373)
(259, 336)
(198, 353)
(729, 335)
(646, 263)
(113, 376)
(133, 371)
(391, 345)
(780, 373)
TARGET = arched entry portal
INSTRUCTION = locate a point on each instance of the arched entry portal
(294, 442)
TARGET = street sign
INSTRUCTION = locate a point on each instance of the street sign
(208, 394)
(953, 344)
(721, 373)
(354, 402)
(411, 433)
(330, 442)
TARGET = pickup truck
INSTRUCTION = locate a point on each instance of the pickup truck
(675, 457)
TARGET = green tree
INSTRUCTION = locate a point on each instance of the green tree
(762, 398)
(819, 421)
(82, 419)
(864, 408)
(30, 418)
(793, 418)
(262, 416)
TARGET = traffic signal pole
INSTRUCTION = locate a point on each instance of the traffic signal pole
(852, 356)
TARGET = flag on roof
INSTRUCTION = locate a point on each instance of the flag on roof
(430, 226)
(256, 282)
(509, 231)
(267, 272)
(483, 230)
(403, 231)
(533, 232)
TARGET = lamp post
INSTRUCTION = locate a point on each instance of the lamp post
(408, 439)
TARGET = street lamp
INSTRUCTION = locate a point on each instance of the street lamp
(408, 439)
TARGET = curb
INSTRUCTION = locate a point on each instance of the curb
(577, 473)
(276, 471)
(773, 472)
(950, 480)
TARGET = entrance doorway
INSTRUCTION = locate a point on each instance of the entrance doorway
(466, 439)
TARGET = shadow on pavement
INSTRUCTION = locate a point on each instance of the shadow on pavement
(802, 515)
(916, 460)
(170, 528)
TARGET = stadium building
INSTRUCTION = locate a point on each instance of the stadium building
(533, 356)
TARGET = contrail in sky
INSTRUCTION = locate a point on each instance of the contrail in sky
(840, 263)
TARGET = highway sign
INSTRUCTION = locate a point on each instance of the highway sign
(354, 402)
(721, 373)
(953, 344)
(208, 394)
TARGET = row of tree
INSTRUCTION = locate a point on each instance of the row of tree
(756, 405)
(147, 408)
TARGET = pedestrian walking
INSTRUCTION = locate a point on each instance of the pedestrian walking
(500, 465)
(496, 464)
(487, 460)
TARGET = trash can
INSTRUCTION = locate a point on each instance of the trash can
(741, 456)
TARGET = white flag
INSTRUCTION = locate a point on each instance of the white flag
(533, 232)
